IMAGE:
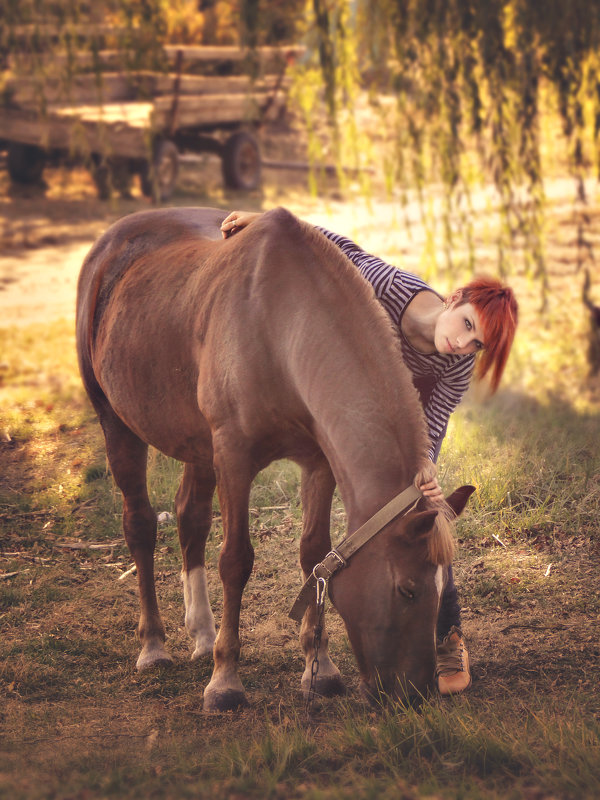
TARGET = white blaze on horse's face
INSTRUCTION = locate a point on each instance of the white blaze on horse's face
(439, 585)
(439, 581)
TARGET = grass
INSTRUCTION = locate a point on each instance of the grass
(77, 721)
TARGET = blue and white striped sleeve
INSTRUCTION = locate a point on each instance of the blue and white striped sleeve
(393, 287)
(377, 272)
(446, 395)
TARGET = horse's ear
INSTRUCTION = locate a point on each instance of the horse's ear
(459, 498)
(420, 523)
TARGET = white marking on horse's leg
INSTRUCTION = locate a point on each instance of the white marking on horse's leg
(199, 620)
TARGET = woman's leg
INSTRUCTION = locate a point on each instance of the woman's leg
(452, 670)
(449, 614)
(453, 673)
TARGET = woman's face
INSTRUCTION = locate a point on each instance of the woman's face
(458, 329)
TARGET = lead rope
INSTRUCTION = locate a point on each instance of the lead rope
(317, 632)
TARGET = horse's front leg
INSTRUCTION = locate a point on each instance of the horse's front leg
(225, 691)
(317, 487)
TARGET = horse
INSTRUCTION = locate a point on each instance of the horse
(227, 354)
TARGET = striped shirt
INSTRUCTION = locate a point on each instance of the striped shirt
(450, 374)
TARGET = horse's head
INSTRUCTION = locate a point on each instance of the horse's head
(389, 596)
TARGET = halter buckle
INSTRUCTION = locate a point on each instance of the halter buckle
(341, 562)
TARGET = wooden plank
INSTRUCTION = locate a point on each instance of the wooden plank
(269, 58)
(209, 84)
(201, 111)
(26, 92)
(117, 86)
(78, 136)
(134, 114)
(204, 53)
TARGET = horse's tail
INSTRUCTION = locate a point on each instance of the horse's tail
(89, 286)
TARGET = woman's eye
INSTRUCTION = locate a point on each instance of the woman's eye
(478, 344)
(468, 324)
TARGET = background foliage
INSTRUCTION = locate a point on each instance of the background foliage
(481, 91)
(472, 89)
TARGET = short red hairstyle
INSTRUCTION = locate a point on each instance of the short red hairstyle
(498, 311)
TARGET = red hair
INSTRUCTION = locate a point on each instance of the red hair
(497, 308)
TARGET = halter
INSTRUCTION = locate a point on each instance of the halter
(337, 558)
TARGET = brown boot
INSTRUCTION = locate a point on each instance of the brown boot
(452, 671)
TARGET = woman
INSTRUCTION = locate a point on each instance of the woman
(444, 343)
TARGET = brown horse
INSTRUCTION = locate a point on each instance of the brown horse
(226, 355)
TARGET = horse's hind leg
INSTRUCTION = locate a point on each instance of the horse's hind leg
(193, 505)
(127, 456)
(317, 487)
(225, 691)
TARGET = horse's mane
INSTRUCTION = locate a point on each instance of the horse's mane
(348, 282)
(344, 274)
(440, 542)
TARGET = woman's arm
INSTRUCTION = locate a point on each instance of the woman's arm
(376, 271)
(447, 393)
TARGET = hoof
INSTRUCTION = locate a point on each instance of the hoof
(327, 686)
(229, 700)
(149, 659)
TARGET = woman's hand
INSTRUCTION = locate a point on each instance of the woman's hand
(432, 490)
(427, 482)
(236, 221)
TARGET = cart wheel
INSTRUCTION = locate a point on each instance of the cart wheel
(159, 178)
(25, 162)
(241, 162)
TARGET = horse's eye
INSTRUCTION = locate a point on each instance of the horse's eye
(405, 591)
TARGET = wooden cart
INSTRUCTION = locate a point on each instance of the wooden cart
(124, 123)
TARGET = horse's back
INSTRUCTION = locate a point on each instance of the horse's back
(164, 225)
(165, 306)
(131, 237)
(125, 245)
